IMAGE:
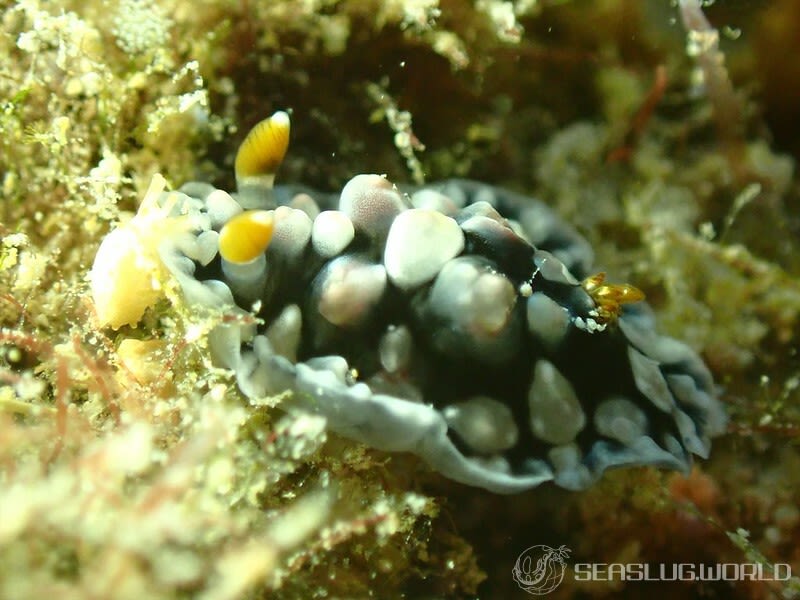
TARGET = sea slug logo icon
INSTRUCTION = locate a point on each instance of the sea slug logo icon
(540, 569)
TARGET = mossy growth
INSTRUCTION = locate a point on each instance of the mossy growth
(131, 467)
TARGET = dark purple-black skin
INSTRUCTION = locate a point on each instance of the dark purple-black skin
(597, 364)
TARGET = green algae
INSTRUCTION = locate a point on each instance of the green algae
(129, 466)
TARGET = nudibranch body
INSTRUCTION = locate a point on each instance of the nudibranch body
(457, 321)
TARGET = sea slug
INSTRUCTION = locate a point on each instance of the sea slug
(456, 320)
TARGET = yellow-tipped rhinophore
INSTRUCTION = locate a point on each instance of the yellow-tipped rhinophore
(262, 151)
(246, 236)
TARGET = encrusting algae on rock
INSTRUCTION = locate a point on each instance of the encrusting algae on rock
(133, 466)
